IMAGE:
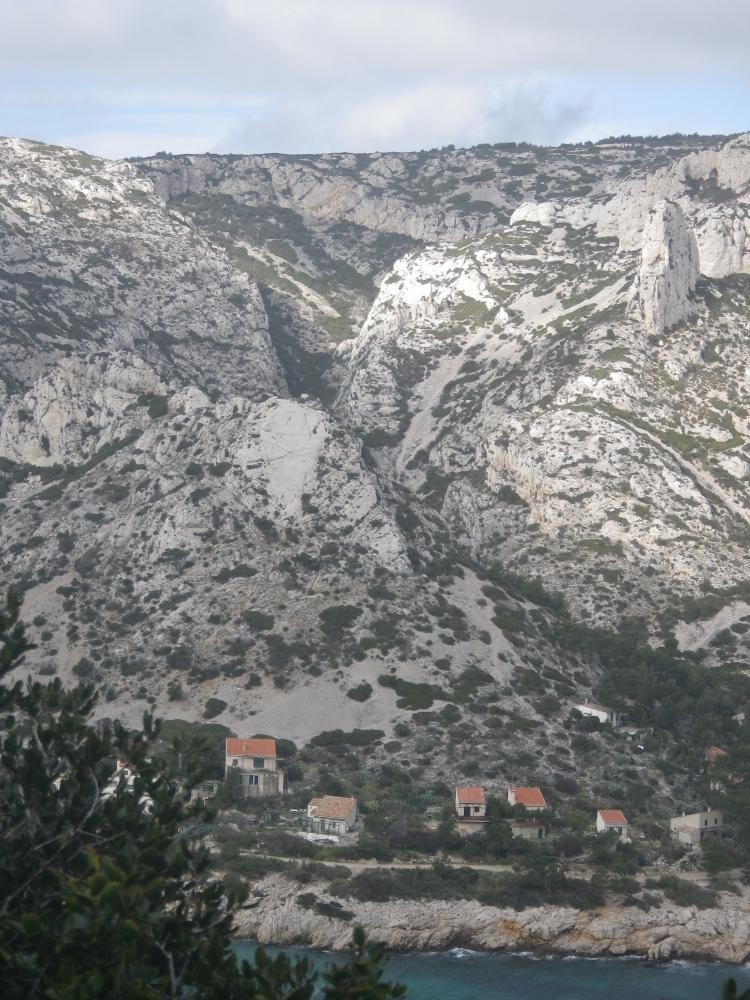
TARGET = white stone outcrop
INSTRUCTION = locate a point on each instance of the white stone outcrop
(664, 932)
(544, 213)
(724, 242)
(76, 407)
(669, 268)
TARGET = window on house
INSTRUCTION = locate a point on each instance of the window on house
(476, 809)
(259, 763)
(235, 762)
(250, 779)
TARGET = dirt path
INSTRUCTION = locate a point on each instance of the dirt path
(372, 863)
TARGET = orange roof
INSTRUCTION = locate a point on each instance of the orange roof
(529, 797)
(613, 817)
(712, 754)
(259, 746)
(331, 807)
(471, 795)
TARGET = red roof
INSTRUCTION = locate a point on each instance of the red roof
(529, 797)
(613, 817)
(331, 807)
(712, 754)
(259, 746)
(471, 795)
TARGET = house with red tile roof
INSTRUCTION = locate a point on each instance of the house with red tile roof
(331, 815)
(530, 798)
(613, 819)
(257, 762)
(470, 801)
(471, 808)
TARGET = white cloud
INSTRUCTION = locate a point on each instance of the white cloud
(417, 118)
(317, 74)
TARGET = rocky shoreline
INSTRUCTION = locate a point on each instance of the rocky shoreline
(275, 916)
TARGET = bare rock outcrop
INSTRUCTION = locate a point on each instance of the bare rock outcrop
(724, 242)
(665, 932)
(669, 268)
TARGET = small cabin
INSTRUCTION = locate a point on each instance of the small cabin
(333, 815)
(471, 809)
(591, 710)
(470, 802)
(608, 820)
(530, 798)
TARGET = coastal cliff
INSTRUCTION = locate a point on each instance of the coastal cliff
(661, 933)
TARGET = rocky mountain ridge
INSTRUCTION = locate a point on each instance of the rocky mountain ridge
(268, 426)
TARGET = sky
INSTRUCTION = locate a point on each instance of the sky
(132, 77)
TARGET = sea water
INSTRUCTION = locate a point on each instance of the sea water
(467, 975)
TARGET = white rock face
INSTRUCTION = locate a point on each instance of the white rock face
(544, 213)
(76, 407)
(93, 260)
(662, 933)
(181, 410)
(549, 421)
(724, 243)
(669, 268)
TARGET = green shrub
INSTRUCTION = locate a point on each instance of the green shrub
(686, 893)
(239, 572)
(324, 908)
(157, 405)
(356, 738)
(412, 696)
(174, 691)
(214, 707)
(84, 668)
(361, 692)
(338, 616)
(258, 621)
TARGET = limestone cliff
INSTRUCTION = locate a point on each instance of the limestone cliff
(669, 268)
(271, 418)
(664, 932)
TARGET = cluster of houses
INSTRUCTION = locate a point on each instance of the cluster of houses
(330, 817)
(688, 829)
(471, 811)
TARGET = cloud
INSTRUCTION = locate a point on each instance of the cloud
(408, 118)
(315, 74)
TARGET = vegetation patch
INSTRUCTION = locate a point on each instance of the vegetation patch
(361, 692)
(214, 707)
(413, 697)
(337, 617)
(356, 738)
(258, 621)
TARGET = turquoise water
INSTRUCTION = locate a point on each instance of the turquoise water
(464, 975)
